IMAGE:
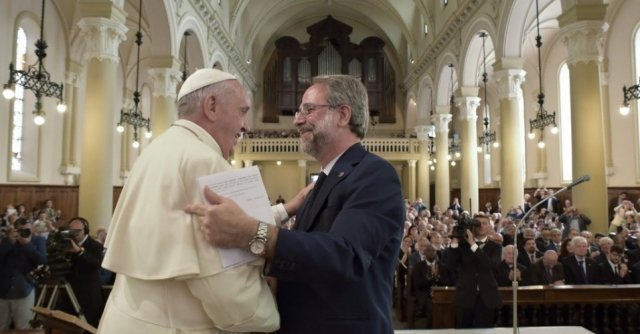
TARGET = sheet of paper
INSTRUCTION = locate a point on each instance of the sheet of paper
(246, 188)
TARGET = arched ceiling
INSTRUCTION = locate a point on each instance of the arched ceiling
(260, 23)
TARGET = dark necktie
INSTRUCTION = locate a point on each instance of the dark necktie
(305, 214)
(550, 275)
(480, 244)
(533, 258)
(615, 270)
(583, 272)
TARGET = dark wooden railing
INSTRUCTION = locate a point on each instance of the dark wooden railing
(607, 309)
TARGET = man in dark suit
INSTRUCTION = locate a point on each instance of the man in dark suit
(556, 240)
(84, 278)
(547, 271)
(425, 275)
(335, 268)
(544, 240)
(528, 254)
(614, 271)
(476, 298)
(579, 268)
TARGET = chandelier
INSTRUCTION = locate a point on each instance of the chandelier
(543, 118)
(134, 116)
(454, 141)
(488, 137)
(185, 73)
(631, 93)
(36, 78)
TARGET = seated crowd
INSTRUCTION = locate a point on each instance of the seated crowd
(554, 248)
(41, 247)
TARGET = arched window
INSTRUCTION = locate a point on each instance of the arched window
(17, 129)
(565, 124)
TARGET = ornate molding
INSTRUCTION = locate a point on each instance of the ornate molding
(102, 38)
(441, 121)
(217, 33)
(468, 106)
(584, 41)
(430, 56)
(165, 81)
(509, 82)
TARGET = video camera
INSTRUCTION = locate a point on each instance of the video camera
(58, 258)
(464, 223)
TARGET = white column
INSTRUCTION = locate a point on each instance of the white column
(411, 180)
(467, 104)
(423, 182)
(441, 119)
(583, 41)
(102, 38)
(509, 77)
(163, 105)
(69, 165)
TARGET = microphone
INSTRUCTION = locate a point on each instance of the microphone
(582, 179)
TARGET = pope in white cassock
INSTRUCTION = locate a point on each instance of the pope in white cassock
(169, 279)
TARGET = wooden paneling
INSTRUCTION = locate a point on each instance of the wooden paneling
(65, 198)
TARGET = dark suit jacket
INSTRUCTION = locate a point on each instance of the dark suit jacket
(502, 274)
(335, 271)
(633, 256)
(537, 274)
(607, 276)
(523, 258)
(572, 271)
(476, 270)
(85, 280)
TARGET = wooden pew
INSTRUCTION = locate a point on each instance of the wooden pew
(599, 308)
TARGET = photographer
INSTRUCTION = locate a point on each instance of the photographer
(475, 257)
(84, 277)
(20, 253)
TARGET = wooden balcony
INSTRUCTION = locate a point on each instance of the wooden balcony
(600, 308)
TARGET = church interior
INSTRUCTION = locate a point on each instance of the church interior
(485, 101)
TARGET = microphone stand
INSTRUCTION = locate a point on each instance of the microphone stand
(514, 283)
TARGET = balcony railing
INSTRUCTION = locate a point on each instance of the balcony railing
(408, 148)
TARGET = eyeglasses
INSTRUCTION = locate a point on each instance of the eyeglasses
(307, 109)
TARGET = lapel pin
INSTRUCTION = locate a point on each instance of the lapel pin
(341, 174)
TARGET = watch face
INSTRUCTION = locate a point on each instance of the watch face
(257, 247)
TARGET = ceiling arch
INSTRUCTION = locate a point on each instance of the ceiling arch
(260, 23)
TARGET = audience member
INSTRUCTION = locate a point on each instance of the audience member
(573, 220)
(424, 276)
(505, 271)
(529, 254)
(615, 270)
(20, 253)
(546, 272)
(579, 268)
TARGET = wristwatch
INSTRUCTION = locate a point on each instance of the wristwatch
(258, 244)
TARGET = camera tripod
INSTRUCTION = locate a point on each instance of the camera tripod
(55, 288)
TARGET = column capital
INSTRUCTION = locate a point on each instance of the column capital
(248, 163)
(467, 106)
(412, 163)
(165, 81)
(422, 131)
(102, 38)
(584, 41)
(302, 163)
(509, 82)
(441, 121)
